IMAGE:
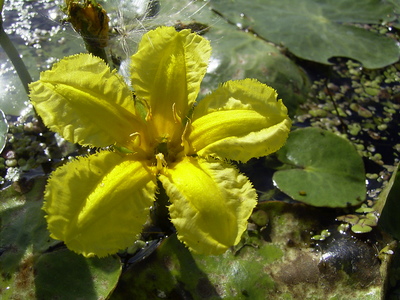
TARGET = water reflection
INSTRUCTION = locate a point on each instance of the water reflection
(41, 38)
(35, 30)
(356, 258)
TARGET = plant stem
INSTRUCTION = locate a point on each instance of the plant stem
(95, 50)
(13, 55)
(329, 92)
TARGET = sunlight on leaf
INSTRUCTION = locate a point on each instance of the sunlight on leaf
(317, 30)
(324, 169)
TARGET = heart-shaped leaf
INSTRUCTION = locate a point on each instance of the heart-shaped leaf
(325, 169)
(318, 30)
(63, 274)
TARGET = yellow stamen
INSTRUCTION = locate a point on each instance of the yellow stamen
(185, 143)
(177, 118)
(136, 140)
(161, 162)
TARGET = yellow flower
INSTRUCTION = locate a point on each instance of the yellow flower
(99, 203)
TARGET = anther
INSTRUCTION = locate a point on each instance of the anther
(175, 114)
(161, 162)
(136, 141)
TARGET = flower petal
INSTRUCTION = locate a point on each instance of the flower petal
(98, 204)
(85, 102)
(242, 119)
(166, 72)
(211, 203)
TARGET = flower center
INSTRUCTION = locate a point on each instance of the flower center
(166, 153)
(161, 162)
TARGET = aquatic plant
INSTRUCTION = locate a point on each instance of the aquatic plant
(99, 203)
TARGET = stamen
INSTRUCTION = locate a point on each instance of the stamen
(136, 140)
(185, 143)
(175, 114)
(161, 162)
(148, 116)
(148, 108)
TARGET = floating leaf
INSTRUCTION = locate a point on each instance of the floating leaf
(326, 170)
(361, 228)
(318, 30)
(63, 274)
(351, 219)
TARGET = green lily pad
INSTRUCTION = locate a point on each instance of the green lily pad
(3, 130)
(396, 4)
(325, 169)
(65, 275)
(389, 199)
(31, 266)
(237, 55)
(318, 30)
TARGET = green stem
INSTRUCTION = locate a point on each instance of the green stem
(94, 49)
(13, 55)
